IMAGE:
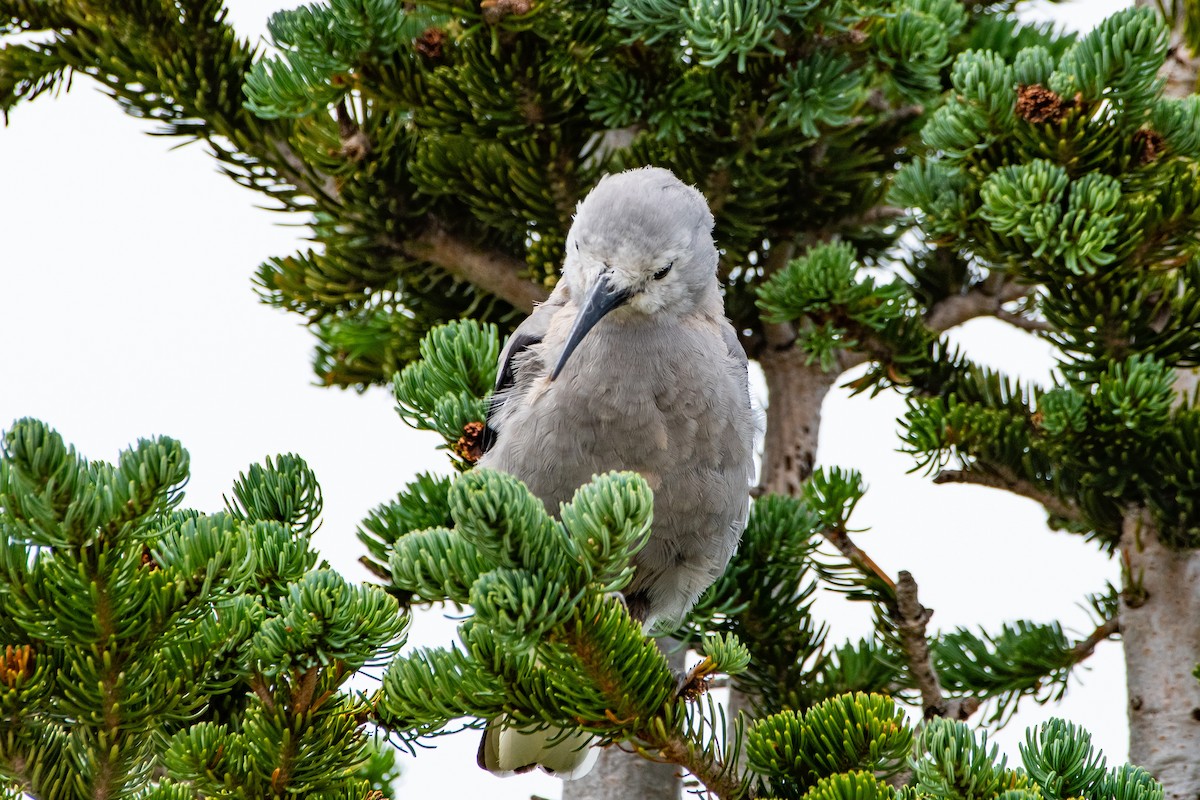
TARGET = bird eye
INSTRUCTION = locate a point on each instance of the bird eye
(662, 273)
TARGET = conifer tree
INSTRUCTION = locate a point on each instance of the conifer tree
(163, 654)
(157, 652)
(438, 149)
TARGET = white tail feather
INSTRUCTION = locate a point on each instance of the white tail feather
(508, 751)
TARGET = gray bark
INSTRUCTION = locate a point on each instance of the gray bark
(1180, 70)
(625, 776)
(1160, 628)
(1160, 609)
(796, 392)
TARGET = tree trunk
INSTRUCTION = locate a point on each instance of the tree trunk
(1180, 70)
(625, 776)
(1160, 629)
(795, 393)
(1160, 610)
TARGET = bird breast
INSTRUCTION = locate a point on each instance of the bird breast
(659, 400)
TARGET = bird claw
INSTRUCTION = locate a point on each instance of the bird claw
(691, 685)
(620, 598)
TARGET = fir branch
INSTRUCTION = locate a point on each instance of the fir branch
(659, 737)
(911, 619)
(778, 336)
(288, 164)
(706, 768)
(489, 270)
(875, 215)
(106, 779)
(998, 478)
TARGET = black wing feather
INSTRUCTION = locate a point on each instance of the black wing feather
(505, 378)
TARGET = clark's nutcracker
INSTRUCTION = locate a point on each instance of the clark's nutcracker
(630, 365)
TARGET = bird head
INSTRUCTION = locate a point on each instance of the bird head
(641, 242)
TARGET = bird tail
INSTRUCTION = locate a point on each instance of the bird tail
(508, 751)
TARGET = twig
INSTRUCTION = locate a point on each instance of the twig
(375, 569)
(259, 686)
(1010, 483)
(856, 555)
(911, 618)
(1024, 323)
(1084, 648)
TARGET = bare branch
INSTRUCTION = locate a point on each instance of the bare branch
(1010, 483)
(911, 618)
(985, 300)
(1085, 647)
(979, 302)
(1024, 323)
(856, 555)
(487, 269)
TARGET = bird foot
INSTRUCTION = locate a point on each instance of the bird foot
(692, 685)
(620, 598)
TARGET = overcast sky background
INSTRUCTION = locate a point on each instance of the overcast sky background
(125, 279)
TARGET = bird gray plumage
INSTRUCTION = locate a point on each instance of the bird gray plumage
(631, 365)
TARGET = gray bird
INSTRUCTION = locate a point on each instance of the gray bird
(630, 365)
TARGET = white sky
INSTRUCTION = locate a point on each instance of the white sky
(128, 312)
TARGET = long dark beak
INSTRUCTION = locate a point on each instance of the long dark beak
(603, 298)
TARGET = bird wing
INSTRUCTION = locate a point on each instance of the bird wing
(528, 333)
(738, 354)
